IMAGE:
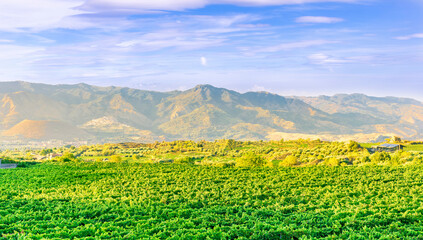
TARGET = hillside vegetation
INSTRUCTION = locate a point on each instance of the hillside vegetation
(116, 114)
(230, 153)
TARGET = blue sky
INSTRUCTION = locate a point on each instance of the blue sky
(290, 47)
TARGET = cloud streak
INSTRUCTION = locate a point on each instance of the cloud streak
(24, 15)
(322, 59)
(318, 19)
(20, 15)
(408, 37)
(295, 45)
(187, 33)
(180, 5)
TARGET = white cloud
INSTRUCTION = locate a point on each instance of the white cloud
(127, 44)
(324, 59)
(20, 15)
(295, 45)
(17, 15)
(275, 2)
(408, 37)
(170, 39)
(186, 33)
(179, 5)
(143, 5)
(320, 59)
(9, 51)
(16, 61)
(318, 19)
(90, 74)
(203, 61)
(259, 88)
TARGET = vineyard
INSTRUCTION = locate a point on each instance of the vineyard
(103, 200)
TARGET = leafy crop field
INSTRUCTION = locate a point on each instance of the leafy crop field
(418, 148)
(180, 201)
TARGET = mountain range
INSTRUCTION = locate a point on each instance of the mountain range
(31, 111)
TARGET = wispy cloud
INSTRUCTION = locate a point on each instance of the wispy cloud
(188, 33)
(16, 61)
(147, 43)
(322, 59)
(20, 15)
(318, 19)
(408, 37)
(9, 51)
(180, 5)
(295, 45)
(24, 15)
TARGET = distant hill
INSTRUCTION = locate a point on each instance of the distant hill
(108, 128)
(113, 114)
(45, 130)
(388, 115)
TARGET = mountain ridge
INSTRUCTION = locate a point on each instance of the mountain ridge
(204, 112)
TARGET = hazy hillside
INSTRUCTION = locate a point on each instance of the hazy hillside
(28, 110)
(45, 130)
(399, 116)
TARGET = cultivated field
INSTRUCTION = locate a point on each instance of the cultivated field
(158, 201)
(212, 190)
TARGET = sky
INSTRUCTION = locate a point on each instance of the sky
(289, 47)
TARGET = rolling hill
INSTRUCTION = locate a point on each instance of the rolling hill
(31, 111)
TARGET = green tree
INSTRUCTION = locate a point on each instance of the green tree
(333, 162)
(29, 156)
(107, 152)
(184, 160)
(250, 160)
(230, 144)
(116, 158)
(380, 157)
(289, 161)
(44, 152)
(395, 160)
(353, 146)
(67, 157)
(364, 159)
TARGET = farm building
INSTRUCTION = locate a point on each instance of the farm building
(3, 166)
(387, 147)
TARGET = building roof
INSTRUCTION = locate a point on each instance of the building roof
(388, 145)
